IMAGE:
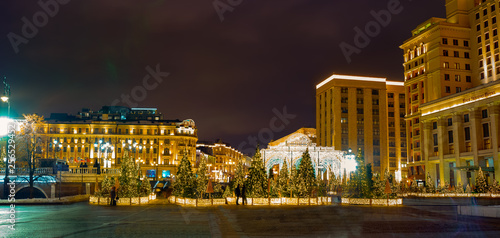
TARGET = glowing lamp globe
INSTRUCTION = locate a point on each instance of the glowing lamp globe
(4, 123)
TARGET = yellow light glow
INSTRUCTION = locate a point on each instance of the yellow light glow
(349, 77)
(4, 98)
(460, 104)
(4, 123)
(395, 83)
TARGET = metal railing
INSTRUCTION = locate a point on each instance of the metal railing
(24, 171)
(92, 171)
(39, 171)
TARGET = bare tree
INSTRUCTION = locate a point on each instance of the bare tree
(29, 145)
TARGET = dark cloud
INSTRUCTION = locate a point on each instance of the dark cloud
(227, 76)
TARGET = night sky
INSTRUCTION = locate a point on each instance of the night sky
(225, 75)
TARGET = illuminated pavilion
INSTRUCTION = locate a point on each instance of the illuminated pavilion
(325, 160)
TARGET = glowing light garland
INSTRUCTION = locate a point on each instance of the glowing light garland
(460, 104)
(323, 158)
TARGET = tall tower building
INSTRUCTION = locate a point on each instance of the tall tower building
(450, 71)
(363, 112)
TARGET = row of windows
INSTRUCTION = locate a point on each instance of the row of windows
(487, 36)
(489, 73)
(417, 51)
(391, 95)
(485, 11)
(467, 134)
(458, 78)
(446, 65)
(415, 64)
(484, 115)
(456, 54)
(455, 42)
(486, 23)
(107, 131)
(488, 48)
(488, 61)
(119, 150)
(359, 91)
(457, 89)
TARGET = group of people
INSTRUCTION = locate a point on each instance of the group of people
(83, 166)
(96, 166)
(240, 192)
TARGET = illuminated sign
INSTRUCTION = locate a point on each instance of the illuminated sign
(475, 98)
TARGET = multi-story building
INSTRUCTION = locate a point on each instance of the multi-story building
(451, 67)
(363, 112)
(104, 136)
(223, 159)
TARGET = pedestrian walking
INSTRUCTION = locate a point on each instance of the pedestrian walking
(237, 193)
(112, 195)
(339, 194)
(243, 195)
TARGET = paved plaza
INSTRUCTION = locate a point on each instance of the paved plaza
(84, 220)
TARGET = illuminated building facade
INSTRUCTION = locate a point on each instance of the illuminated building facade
(451, 67)
(103, 136)
(222, 159)
(363, 112)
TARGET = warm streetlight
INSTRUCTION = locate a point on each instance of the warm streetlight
(4, 98)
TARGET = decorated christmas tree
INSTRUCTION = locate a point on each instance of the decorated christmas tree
(145, 187)
(429, 184)
(201, 178)
(129, 177)
(334, 182)
(360, 184)
(468, 189)
(219, 191)
(459, 188)
(378, 186)
(257, 179)
(307, 179)
(228, 192)
(321, 187)
(283, 180)
(495, 187)
(293, 184)
(414, 187)
(481, 185)
(106, 185)
(239, 177)
(396, 188)
(184, 185)
(274, 188)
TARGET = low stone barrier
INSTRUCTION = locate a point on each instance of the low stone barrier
(62, 200)
(196, 202)
(372, 202)
(251, 201)
(123, 201)
(436, 195)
